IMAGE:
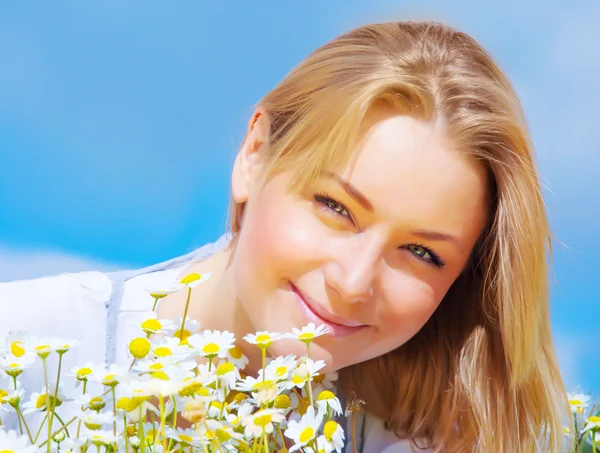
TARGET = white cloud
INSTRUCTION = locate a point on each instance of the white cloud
(26, 264)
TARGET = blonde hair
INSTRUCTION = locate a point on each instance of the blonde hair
(481, 375)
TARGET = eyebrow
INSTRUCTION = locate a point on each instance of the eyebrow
(352, 191)
(365, 203)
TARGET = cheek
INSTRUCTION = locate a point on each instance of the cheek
(277, 239)
(408, 304)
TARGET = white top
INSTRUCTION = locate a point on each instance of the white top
(77, 306)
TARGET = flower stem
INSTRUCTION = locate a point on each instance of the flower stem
(47, 441)
(264, 361)
(49, 421)
(39, 429)
(114, 398)
(155, 302)
(20, 414)
(163, 418)
(83, 393)
(266, 441)
(125, 434)
(187, 304)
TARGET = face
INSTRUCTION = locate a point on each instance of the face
(369, 252)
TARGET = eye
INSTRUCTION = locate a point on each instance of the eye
(333, 205)
(426, 254)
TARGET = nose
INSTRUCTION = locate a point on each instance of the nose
(352, 271)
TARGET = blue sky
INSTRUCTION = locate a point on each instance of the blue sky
(119, 122)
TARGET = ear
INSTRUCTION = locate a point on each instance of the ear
(247, 163)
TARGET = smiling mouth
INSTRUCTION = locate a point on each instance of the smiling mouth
(314, 313)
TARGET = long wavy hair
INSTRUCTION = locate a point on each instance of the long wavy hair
(481, 375)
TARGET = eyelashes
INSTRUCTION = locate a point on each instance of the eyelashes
(419, 250)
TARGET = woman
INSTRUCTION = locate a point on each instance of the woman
(386, 188)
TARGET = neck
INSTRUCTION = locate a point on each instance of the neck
(216, 306)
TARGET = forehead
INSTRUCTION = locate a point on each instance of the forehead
(411, 173)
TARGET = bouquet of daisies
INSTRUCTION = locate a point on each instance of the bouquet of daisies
(184, 391)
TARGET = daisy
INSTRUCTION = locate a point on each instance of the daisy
(190, 328)
(44, 346)
(161, 293)
(184, 436)
(151, 324)
(11, 442)
(15, 343)
(578, 402)
(191, 280)
(38, 401)
(168, 347)
(228, 374)
(87, 401)
(83, 373)
(212, 344)
(261, 422)
(222, 432)
(166, 382)
(110, 376)
(237, 357)
(592, 422)
(100, 437)
(326, 400)
(304, 431)
(263, 339)
(280, 368)
(306, 371)
(332, 437)
(94, 420)
(324, 381)
(14, 366)
(308, 332)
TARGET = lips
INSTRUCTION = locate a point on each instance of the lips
(338, 326)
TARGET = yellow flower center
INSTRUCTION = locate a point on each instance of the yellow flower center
(263, 339)
(42, 347)
(186, 333)
(306, 336)
(281, 371)
(162, 351)
(3, 395)
(190, 278)
(184, 438)
(160, 375)
(297, 379)
(158, 294)
(594, 419)
(329, 429)
(81, 372)
(225, 368)
(318, 378)
(575, 403)
(17, 349)
(202, 391)
(139, 347)
(109, 378)
(126, 404)
(151, 325)
(264, 385)
(156, 366)
(239, 397)
(262, 420)
(211, 349)
(223, 435)
(282, 402)
(325, 395)
(235, 352)
(307, 434)
(40, 401)
(14, 365)
(7, 451)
